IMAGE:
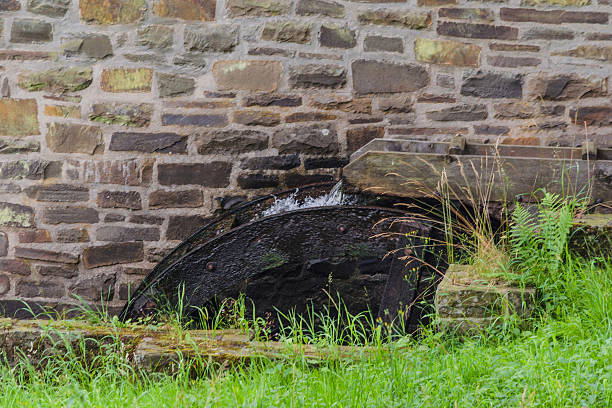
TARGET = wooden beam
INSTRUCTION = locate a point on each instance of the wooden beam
(418, 175)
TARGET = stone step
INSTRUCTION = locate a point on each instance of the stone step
(465, 301)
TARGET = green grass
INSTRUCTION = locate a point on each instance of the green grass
(564, 361)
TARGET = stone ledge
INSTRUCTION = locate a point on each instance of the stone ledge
(465, 301)
(150, 349)
(592, 235)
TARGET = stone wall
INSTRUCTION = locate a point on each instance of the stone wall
(125, 124)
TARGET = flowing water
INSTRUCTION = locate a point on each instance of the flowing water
(335, 197)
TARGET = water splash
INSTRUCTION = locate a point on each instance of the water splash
(290, 203)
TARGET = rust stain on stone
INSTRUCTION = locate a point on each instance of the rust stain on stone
(127, 80)
(18, 117)
(108, 12)
(203, 10)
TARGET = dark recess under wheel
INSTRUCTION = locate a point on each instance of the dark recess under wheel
(300, 259)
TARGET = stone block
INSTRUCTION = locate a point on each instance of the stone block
(29, 30)
(61, 111)
(319, 8)
(559, 87)
(465, 301)
(591, 52)
(257, 180)
(552, 16)
(492, 85)
(211, 120)
(309, 117)
(182, 226)
(434, 3)
(98, 288)
(231, 141)
(58, 193)
(18, 117)
(378, 43)
(317, 76)
(156, 254)
(312, 163)
(211, 39)
(396, 18)
(114, 218)
(460, 113)
(479, 31)
(148, 142)
(332, 36)
(267, 100)
(505, 61)
(16, 146)
(592, 115)
(71, 235)
(256, 118)
(213, 174)
(538, 33)
(295, 180)
(272, 51)
(491, 130)
(46, 255)
(358, 137)
(130, 172)
(5, 284)
(69, 215)
(471, 14)
(112, 11)
(526, 110)
(74, 138)
(4, 244)
(113, 254)
(446, 52)
(313, 139)
(146, 219)
(171, 85)
(247, 75)
(201, 10)
(591, 236)
(96, 46)
(25, 169)
(126, 80)
(116, 233)
(15, 267)
(344, 104)
(284, 162)
(10, 5)
(57, 80)
(287, 31)
(119, 199)
(16, 215)
(258, 8)
(63, 271)
(401, 104)
(514, 47)
(434, 98)
(175, 199)
(386, 77)
(156, 36)
(49, 8)
(121, 114)
(44, 289)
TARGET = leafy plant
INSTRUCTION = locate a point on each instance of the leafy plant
(538, 238)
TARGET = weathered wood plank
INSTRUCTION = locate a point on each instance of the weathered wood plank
(476, 149)
(420, 175)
